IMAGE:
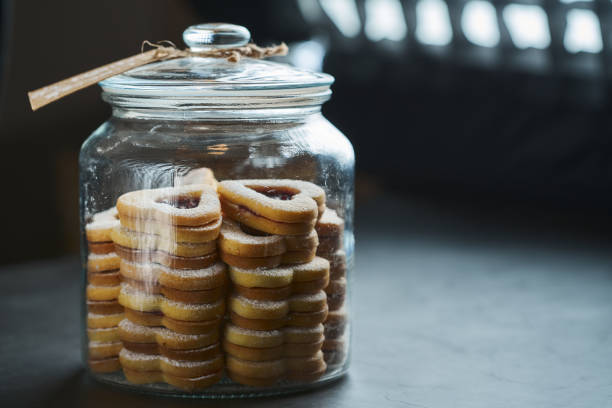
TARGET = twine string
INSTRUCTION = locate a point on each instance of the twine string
(167, 49)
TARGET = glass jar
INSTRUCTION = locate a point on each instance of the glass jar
(217, 228)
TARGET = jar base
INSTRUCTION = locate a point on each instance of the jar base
(225, 389)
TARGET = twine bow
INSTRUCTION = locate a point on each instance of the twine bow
(161, 51)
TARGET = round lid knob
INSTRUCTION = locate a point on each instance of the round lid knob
(207, 36)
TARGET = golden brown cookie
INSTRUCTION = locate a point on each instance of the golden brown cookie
(181, 279)
(105, 335)
(102, 262)
(270, 369)
(252, 353)
(337, 264)
(303, 335)
(104, 365)
(257, 324)
(308, 303)
(107, 278)
(330, 225)
(329, 245)
(258, 309)
(100, 226)
(261, 278)
(336, 293)
(197, 234)
(102, 292)
(165, 259)
(316, 269)
(245, 262)
(134, 299)
(194, 296)
(301, 349)
(148, 362)
(233, 240)
(274, 294)
(104, 306)
(299, 256)
(103, 321)
(151, 242)
(135, 333)
(287, 201)
(307, 319)
(198, 354)
(335, 323)
(310, 286)
(178, 326)
(253, 338)
(99, 350)
(101, 248)
(305, 365)
(298, 242)
(244, 216)
(192, 205)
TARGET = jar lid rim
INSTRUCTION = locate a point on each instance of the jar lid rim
(213, 76)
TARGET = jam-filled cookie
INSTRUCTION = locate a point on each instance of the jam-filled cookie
(191, 205)
(284, 207)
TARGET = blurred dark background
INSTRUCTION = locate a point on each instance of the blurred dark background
(496, 111)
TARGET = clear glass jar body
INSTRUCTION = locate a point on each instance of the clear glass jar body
(144, 150)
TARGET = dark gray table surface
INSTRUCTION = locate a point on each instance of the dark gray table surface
(446, 314)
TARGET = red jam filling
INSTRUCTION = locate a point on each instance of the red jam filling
(275, 193)
(181, 202)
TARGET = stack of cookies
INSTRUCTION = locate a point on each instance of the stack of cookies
(330, 229)
(173, 287)
(277, 303)
(103, 310)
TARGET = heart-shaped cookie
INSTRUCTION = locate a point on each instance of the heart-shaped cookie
(285, 207)
(244, 248)
(191, 205)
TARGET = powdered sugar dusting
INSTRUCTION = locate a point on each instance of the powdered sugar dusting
(253, 333)
(131, 327)
(260, 304)
(104, 220)
(304, 330)
(211, 271)
(273, 272)
(330, 218)
(180, 363)
(98, 257)
(316, 264)
(131, 355)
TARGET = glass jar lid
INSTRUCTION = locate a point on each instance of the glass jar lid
(206, 83)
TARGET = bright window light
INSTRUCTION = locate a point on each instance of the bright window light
(583, 32)
(344, 15)
(385, 19)
(308, 55)
(575, 1)
(479, 23)
(528, 26)
(433, 23)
